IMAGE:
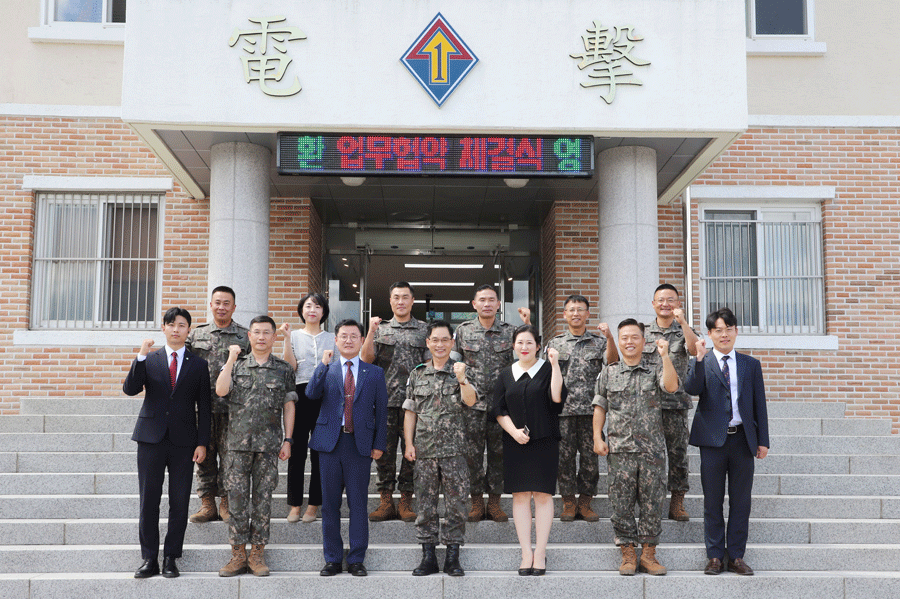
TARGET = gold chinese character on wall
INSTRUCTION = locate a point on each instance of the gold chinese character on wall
(267, 69)
(607, 50)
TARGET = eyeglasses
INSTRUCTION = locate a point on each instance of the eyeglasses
(576, 310)
(349, 337)
(667, 300)
(725, 330)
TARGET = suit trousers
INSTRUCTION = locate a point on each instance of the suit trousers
(152, 461)
(344, 468)
(733, 461)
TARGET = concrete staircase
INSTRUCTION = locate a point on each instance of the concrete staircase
(825, 524)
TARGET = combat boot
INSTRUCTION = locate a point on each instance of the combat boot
(676, 507)
(451, 561)
(570, 509)
(224, 514)
(238, 563)
(207, 511)
(429, 564)
(629, 561)
(585, 511)
(494, 512)
(477, 513)
(404, 509)
(385, 510)
(648, 561)
(257, 561)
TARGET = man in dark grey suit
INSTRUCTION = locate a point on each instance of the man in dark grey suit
(172, 433)
(730, 428)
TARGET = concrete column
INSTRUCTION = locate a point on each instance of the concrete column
(239, 225)
(629, 237)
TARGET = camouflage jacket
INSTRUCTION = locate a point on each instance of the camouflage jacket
(680, 359)
(631, 396)
(257, 398)
(399, 347)
(211, 343)
(485, 352)
(434, 396)
(580, 360)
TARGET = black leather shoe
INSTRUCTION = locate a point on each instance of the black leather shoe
(539, 571)
(357, 569)
(714, 566)
(169, 569)
(331, 569)
(149, 568)
(739, 566)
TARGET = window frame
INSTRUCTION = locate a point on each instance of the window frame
(53, 31)
(783, 44)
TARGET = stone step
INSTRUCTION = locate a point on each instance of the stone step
(473, 557)
(12, 423)
(762, 530)
(499, 585)
(764, 506)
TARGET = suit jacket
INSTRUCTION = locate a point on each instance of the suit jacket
(184, 411)
(369, 407)
(711, 418)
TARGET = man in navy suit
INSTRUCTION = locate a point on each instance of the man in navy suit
(350, 432)
(730, 428)
(172, 432)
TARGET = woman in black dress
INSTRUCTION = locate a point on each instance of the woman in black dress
(528, 398)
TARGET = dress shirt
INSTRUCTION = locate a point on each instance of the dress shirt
(169, 350)
(733, 379)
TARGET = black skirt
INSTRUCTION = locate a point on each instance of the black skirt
(531, 467)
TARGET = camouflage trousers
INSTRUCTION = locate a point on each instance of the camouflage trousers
(251, 478)
(483, 431)
(636, 479)
(577, 437)
(675, 429)
(386, 465)
(211, 475)
(433, 474)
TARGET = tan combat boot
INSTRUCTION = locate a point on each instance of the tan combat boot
(570, 509)
(494, 511)
(257, 561)
(477, 513)
(404, 509)
(238, 563)
(224, 514)
(629, 561)
(385, 510)
(648, 561)
(676, 507)
(207, 511)
(585, 511)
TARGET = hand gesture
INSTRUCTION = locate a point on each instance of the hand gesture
(374, 322)
(525, 315)
(678, 313)
(199, 454)
(326, 356)
(233, 352)
(553, 355)
(600, 447)
(662, 346)
(145, 346)
(520, 437)
(410, 453)
(604, 330)
(286, 329)
(285, 452)
(701, 349)
(459, 369)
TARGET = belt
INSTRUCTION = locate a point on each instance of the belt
(734, 429)
(345, 430)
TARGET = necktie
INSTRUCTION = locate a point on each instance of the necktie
(726, 372)
(349, 392)
(173, 368)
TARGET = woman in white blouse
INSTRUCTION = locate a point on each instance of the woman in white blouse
(303, 349)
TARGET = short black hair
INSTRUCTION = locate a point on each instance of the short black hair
(319, 300)
(527, 328)
(173, 313)
(437, 324)
(631, 322)
(223, 289)
(262, 318)
(725, 314)
(402, 285)
(483, 287)
(665, 286)
(349, 322)
(578, 299)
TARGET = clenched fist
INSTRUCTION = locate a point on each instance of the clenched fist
(553, 355)
(701, 349)
(145, 346)
(234, 351)
(286, 328)
(662, 346)
(374, 322)
(604, 330)
(459, 369)
(525, 315)
(326, 356)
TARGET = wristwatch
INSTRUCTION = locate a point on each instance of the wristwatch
(288, 440)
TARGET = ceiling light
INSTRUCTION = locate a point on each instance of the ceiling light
(436, 284)
(443, 265)
(357, 181)
(434, 301)
(514, 183)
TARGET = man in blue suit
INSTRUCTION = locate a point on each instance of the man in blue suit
(350, 432)
(730, 428)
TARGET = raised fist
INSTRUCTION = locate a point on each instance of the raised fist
(234, 351)
(701, 349)
(525, 315)
(678, 313)
(552, 355)
(286, 328)
(145, 346)
(459, 369)
(374, 322)
(604, 329)
(662, 346)
(326, 356)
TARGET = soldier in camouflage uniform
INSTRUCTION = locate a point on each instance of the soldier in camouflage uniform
(397, 347)
(629, 393)
(671, 325)
(261, 395)
(434, 429)
(485, 345)
(582, 354)
(211, 341)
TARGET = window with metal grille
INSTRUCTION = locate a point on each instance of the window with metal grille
(766, 265)
(96, 261)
